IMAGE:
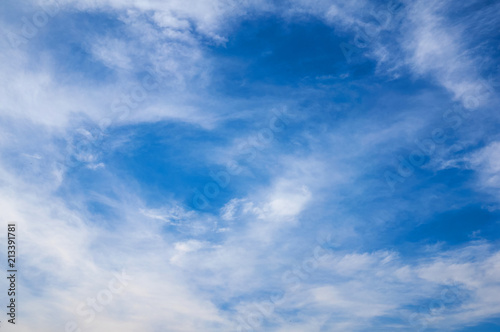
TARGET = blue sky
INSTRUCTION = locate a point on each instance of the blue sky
(252, 166)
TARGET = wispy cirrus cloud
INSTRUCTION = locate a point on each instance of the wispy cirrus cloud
(115, 112)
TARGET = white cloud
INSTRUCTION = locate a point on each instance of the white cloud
(486, 162)
(436, 47)
(111, 52)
